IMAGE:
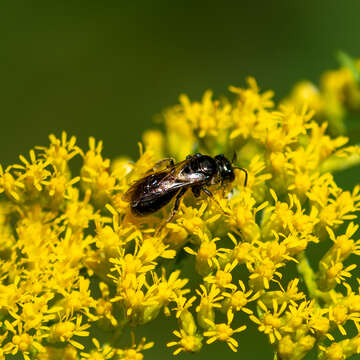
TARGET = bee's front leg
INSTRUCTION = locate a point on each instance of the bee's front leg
(210, 194)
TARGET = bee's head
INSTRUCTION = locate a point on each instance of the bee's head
(226, 170)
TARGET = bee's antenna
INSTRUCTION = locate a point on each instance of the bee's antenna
(245, 171)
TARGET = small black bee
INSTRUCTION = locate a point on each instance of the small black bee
(155, 190)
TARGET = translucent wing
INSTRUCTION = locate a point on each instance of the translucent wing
(159, 183)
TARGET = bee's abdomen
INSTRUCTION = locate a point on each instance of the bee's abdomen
(151, 204)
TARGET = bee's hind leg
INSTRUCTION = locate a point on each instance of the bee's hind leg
(179, 195)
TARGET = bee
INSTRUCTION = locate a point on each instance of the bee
(195, 173)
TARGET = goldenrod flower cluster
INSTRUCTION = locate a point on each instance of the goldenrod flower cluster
(336, 98)
(76, 263)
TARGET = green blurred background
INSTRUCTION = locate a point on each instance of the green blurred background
(104, 69)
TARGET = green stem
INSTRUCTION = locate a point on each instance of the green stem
(309, 277)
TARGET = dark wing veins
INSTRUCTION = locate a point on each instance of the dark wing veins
(160, 183)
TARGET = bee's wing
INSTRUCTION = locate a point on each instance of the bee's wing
(175, 180)
(137, 190)
(167, 181)
(132, 190)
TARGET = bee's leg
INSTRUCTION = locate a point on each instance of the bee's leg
(196, 190)
(210, 194)
(168, 163)
(207, 192)
(223, 188)
(179, 195)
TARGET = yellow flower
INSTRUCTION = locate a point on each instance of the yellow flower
(78, 300)
(21, 341)
(207, 255)
(60, 152)
(104, 307)
(295, 318)
(166, 290)
(270, 323)
(238, 299)
(339, 314)
(352, 300)
(101, 353)
(343, 246)
(337, 94)
(304, 92)
(135, 352)
(207, 117)
(12, 187)
(290, 295)
(333, 273)
(223, 332)
(67, 328)
(190, 343)
(223, 278)
(317, 322)
(262, 272)
(209, 301)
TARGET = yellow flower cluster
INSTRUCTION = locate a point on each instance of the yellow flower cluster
(337, 97)
(76, 263)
